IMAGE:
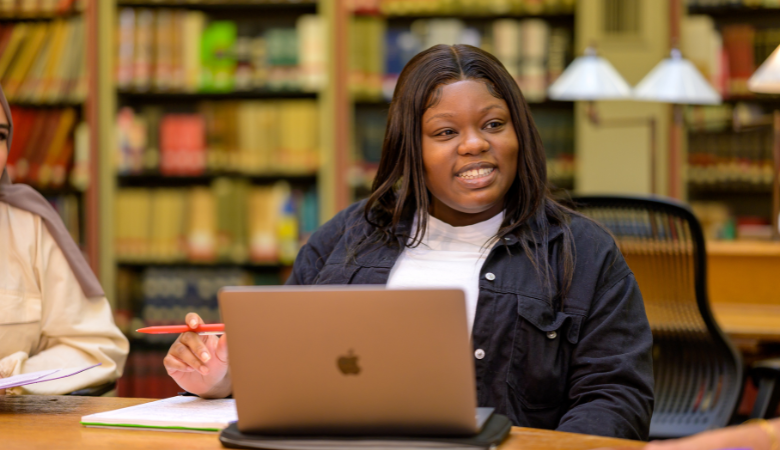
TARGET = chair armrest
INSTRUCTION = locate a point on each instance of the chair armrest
(766, 376)
(95, 391)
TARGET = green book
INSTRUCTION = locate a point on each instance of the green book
(217, 56)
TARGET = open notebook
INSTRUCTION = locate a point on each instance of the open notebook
(175, 413)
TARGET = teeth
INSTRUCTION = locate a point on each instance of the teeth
(475, 173)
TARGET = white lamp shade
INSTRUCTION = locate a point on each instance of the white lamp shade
(590, 77)
(766, 79)
(676, 80)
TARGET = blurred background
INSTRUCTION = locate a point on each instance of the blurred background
(190, 145)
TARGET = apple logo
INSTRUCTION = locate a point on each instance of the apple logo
(348, 365)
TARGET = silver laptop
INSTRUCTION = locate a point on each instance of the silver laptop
(351, 360)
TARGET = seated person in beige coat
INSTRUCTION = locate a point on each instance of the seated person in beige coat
(53, 312)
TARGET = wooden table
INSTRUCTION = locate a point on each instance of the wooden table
(32, 422)
(743, 283)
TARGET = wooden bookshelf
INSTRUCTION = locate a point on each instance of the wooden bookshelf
(48, 103)
(121, 274)
(749, 195)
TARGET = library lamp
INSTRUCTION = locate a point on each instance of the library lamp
(676, 80)
(590, 77)
(766, 80)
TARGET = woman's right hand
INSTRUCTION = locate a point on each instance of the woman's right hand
(199, 364)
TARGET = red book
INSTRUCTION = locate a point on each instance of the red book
(23, 121)
(19, 166)
(41, 151)
(183, 145)
(739, 41)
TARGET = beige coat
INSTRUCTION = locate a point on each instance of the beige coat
(46, 321)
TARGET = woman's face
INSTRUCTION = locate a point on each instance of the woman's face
(5, 130)
(469, 150)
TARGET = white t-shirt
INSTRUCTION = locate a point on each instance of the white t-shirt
(447, 257)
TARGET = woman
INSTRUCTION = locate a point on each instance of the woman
(460, 199)
(53, 313)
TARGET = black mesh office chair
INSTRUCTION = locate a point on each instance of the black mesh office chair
(698, 372)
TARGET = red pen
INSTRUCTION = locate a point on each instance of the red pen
(209, 328)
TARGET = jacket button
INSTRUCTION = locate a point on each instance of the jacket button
(479, 354)
(552, 335)
(490, 276)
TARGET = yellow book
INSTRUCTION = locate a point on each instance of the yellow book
(166, 225)
(262, 223)
(58, 143)
(18, 35)
(22, 64)
(248, 137)
(201, 225)
(132, 224)
(53, 74)
(298, 135)
(77, 90)
(268, 135)
(194, 23)
(33, 80)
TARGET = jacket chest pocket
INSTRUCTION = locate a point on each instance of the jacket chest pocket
(543, 340)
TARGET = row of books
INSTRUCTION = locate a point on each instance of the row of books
(50, 147)
(145, 376)
(164, 295)
(720, 221)
(182, 50)
(734, 160)
(734, 3)
(44, 62)
(230, 221)
(470, 7)
(534, 52)
(252, 137)
(35, 8)
(728, 55)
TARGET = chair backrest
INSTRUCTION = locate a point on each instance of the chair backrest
(698, 372)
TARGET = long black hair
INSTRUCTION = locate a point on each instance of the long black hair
(399, 187)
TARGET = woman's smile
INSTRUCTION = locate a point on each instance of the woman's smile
(477, 175)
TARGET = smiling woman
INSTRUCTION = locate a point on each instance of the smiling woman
(461, 200)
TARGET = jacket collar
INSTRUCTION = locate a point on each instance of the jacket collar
(405, 228)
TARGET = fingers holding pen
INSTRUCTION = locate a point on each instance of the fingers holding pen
(193, 320)
(191, 350)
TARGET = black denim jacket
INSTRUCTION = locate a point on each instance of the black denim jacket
(583, 367)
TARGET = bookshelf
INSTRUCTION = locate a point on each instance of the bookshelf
(399, 29)
(729, 175)
(43, 69)
(237, 211)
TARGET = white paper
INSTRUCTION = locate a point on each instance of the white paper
(25, 378)
(41, 376)
(183, 412)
